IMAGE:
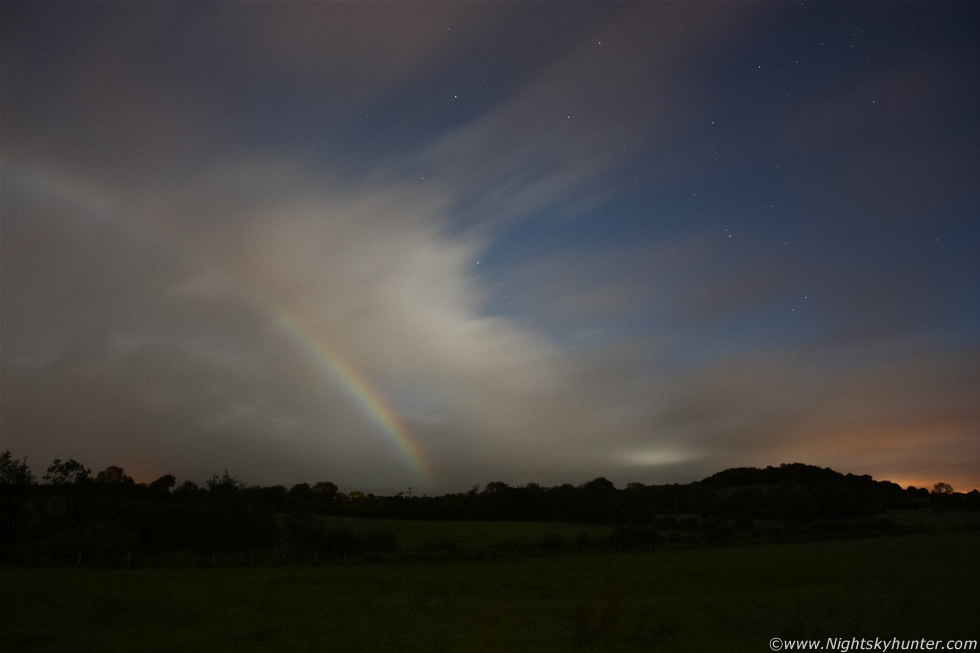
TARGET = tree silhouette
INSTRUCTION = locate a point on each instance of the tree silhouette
(113, 475)
(187, 490)
(14, 472)
(225, 484)
(70, 472)
(325, 488)
(942, 488)
(163, 484)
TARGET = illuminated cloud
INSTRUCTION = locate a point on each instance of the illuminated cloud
(446, 244)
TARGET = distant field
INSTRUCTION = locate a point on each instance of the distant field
(724, 599)
(935, 521)
(467, 535)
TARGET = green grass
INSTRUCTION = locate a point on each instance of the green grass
(725, 599)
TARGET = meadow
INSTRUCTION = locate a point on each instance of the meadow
(468, 536)
(728, 598)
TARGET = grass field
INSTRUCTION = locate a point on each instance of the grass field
(724, 599)
(413, 536)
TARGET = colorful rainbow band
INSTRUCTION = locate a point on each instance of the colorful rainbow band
(95, 202)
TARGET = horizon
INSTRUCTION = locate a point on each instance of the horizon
(417, 245)
(422, 491)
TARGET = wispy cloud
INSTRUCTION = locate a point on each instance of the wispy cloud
(181, 228)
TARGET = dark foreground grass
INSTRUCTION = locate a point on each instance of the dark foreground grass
(726, 599)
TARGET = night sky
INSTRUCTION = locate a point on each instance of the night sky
(438, 245)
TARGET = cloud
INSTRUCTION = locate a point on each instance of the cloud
(375, 276)
(174, 308)
(192, 347)
(184, 357)
(561, 142)
(863, 408)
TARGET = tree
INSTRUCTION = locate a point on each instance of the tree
(326, 488)
(496, 487)
(596, 500)
(796, 503)
(324, 493)
(942, 488)
(600, 484)
(70, 472)
(164, 483)
(14, 472)
(188, 490)
(226, 483)
(113, 475)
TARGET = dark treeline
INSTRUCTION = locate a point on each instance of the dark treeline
(69, 512)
